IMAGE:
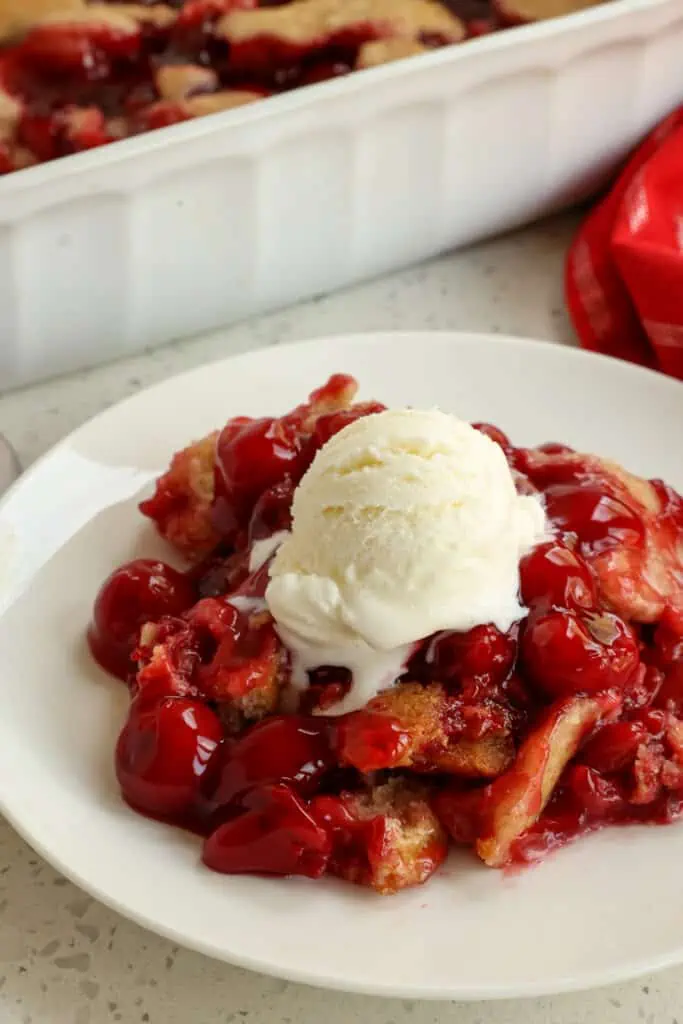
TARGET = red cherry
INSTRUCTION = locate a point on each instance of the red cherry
(551, 464)
(483, 652)
(84, 51)
(162, 753)
(216, 618)
(172, 660)
(257, 456)
(139, 592)
(292, 749)
(614, 747)
(161, 115)
(495, 435)
(369, 741)
(244, 660)
(599, 800)
(555, 576)
(253, 456)
(565, 654)
(667, 655)
(460, 811)
(553, 448)
(668, 640)
(332, 812)
(599, 520)
(272, 512)
(331, 423)
(41, 133)
(481, 27)
(274, 835)
(358, 843)
(7, 164)
(670, 695)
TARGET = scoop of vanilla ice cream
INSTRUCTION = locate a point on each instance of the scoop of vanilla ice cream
(406, 523)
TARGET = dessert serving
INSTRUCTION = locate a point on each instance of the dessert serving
(75, 75)
(395, 632)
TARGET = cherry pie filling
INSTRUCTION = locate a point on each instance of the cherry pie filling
(78, 74)
(511, 744)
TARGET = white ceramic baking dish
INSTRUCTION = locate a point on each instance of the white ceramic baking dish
(208, 222)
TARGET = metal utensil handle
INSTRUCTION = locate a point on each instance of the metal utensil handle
(9, 464)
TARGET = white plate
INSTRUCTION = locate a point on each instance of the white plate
(608, 907)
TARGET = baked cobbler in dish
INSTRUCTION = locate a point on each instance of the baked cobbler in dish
(76, 74)
(397, 632)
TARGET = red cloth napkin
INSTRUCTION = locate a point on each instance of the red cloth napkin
(624, 271)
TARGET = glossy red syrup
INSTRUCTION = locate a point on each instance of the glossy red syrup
(270, 799)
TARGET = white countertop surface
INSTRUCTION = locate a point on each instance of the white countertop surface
(64, 959)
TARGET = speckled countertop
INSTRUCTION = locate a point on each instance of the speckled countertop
(64, 959)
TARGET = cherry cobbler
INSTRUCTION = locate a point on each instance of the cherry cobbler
(76, 74)
(509, 741)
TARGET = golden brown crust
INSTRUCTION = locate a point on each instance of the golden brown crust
(159, 15)
(327, 400)
(109, 15)
(215, 102)
(264, 699)
(413, 843)
(246, 689)
(22, 157)
(18, 16)
(419, 715)
(307, 22)
(176, 81)
(523, 11)
(516, 799)
(385, 51)
(10, 114)
(182, 502)
(484, 758)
